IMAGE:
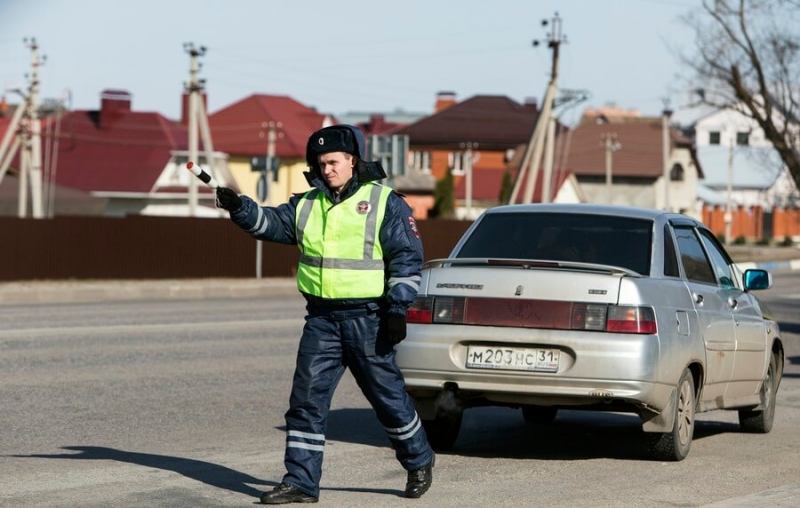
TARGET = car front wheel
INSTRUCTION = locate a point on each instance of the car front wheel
(674, 446)
(761, 421)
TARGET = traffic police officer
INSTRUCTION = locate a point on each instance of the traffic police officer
(359, 270)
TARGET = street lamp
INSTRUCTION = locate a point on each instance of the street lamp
(729, 205)
(468, 174)
(665, 137)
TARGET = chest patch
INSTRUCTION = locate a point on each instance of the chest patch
(363, 207)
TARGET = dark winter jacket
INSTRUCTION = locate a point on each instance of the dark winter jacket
(399, 237)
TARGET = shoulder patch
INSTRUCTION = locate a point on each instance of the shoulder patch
(412, 224)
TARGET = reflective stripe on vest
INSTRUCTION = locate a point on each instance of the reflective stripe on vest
(340, 252)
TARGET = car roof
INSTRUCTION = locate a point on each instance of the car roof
(591, 209)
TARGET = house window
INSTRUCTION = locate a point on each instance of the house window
(742, 138)
(713, 138)
(455, 161)
(676, 173)
(420, 161)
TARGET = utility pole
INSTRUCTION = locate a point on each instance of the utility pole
(548, 159)
(665, 138)
(468, 159)
(197, 118)
(35, 123)
(611, 146)
(270, 174)
(25, 133)
(729, 205)
(268, 177)
(541, 135)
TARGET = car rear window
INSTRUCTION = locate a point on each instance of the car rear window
(600, 239)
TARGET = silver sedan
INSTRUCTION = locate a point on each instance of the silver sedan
(606, 308)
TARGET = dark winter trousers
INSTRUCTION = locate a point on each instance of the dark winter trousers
(331, 342)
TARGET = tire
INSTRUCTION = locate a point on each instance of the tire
(443, 430)
(674, 446)
(761, 421)
(539, 415)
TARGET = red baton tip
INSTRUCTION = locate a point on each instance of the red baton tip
(189, 165)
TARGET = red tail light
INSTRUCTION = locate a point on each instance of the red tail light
(629, 319)
(421, 311)
(545, 314)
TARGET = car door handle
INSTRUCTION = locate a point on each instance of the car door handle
(698, 298)
(733, 302)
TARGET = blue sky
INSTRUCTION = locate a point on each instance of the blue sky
(347, 55)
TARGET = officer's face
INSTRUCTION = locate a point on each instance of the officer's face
(336, 169)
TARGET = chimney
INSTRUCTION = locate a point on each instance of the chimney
(113, 104)
(377, 123)
(444, 100)
(185, 107)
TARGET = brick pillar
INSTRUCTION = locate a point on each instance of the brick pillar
(778, 222)
(758, 222)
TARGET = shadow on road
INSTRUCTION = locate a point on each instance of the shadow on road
(206, 472)
(789, 327)
(791, 360)
(502, 433)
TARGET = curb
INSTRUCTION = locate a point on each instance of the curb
(83, 291)
(772, 266)
(79, 291)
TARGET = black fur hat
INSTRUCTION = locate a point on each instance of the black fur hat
(342, 138)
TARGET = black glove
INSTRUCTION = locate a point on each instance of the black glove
(228, 199)
(395, 328)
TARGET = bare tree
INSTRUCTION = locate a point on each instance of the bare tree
(747, 57)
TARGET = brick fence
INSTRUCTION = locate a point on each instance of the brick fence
(140, 247)
(754, 223)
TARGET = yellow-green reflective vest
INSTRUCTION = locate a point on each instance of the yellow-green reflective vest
(340, 252)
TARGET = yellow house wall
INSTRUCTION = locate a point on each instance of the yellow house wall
(290, 180)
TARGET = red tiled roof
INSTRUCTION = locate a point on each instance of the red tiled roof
(239, 129)
(494, 122)
(486, 184)
(4, 123)
(124, 153)
(377, 125)
(640, 154)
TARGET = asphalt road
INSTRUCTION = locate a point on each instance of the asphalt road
(168, 402)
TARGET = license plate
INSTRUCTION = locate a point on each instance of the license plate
(512, 358)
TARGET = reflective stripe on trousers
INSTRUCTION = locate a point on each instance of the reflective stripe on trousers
(351, 339)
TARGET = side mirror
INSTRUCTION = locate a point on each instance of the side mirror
(757, 279)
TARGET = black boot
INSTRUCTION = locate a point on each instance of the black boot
(419, 480)
(285, 494)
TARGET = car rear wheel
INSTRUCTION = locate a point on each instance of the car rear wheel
(443, 430)
(539, 415)
(761, 421)
(674, 446)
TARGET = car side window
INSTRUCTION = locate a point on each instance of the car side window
(719, 261)
(670, 256)
(693, 258)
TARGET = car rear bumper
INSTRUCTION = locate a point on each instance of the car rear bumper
(594, 367)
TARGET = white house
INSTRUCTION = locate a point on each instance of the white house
(734, 152)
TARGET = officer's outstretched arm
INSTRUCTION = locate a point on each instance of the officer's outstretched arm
(272, 224)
